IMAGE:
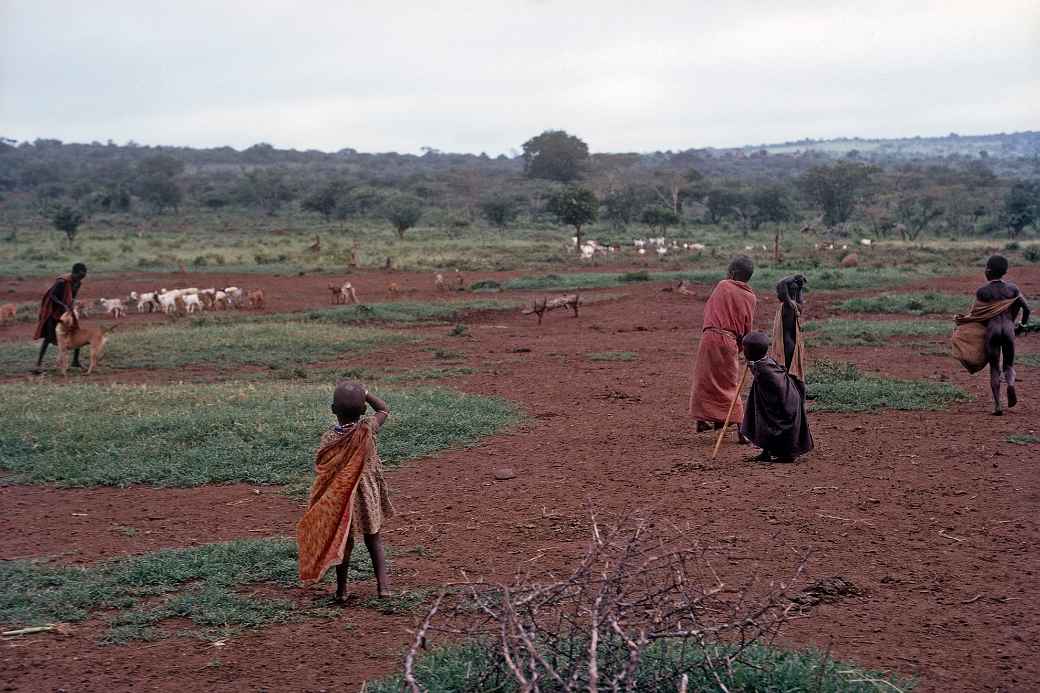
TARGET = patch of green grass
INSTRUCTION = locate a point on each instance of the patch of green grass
(205, 584)
(915, 304)
(611, 356)
(841, 387)
(402, 312)
(764, 279)
(474, 667)
(226, 345)
(427, 374)
(1027, 359)
(842, 332)
(404, 602)
(1023, 439)
(187, 435)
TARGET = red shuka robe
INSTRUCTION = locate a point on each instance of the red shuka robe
(728, 314)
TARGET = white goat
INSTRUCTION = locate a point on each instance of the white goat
(113, 306)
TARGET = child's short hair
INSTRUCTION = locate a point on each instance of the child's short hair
(997, 265)
(348, 400)
(756, 345)
(741, 268)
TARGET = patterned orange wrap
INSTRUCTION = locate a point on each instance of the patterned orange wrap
(322, 533)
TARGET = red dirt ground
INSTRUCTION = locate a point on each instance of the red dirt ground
(930, 515)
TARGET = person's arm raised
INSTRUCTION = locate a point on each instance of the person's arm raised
(382, 411)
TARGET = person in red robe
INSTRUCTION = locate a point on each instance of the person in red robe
(728, 316)
(56, 302)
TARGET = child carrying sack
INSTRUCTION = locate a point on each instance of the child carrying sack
(968, 343)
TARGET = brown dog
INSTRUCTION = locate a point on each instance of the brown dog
(72, 335)
(8, 311)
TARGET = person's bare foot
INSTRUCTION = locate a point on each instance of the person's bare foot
(703, 426)
(1012, 396)
(763, 457)
(998, 412)
(386, 594)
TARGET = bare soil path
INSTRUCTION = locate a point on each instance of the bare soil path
(930, 515)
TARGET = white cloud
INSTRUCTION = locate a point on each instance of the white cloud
(485, 76)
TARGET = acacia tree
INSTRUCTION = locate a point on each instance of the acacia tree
(916, 213)
(555, 155)
(659, 219)
(1021, 207)
(324, 200)
(68, 220)
(837, 189)
(574, 206)
(403, 211)
(267, 189)
(499, 210)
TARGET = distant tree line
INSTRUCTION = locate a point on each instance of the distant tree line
(554, 179)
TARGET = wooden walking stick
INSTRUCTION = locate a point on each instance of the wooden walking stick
(732, 404)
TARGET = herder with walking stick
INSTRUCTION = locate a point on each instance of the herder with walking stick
(728, 316)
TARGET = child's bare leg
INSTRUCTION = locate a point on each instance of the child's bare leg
(374, 543)
(1009, 371)
(342, 568)
(994, 384)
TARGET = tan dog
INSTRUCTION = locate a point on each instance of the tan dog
(256, 298)
(8, 311)
(72, 335)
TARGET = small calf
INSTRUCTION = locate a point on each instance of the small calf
(8, 311)
(256, 298)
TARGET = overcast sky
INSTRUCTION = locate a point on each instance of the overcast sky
(487, 75)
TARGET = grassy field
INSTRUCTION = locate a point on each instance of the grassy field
(764, 279)
(232, 241)
(198, 434)
(841, 387)
(220, 345)
(611, 356)
(840, 332)
(929, 303)
(203, 584)
(473, 667)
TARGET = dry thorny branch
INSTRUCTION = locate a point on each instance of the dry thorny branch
(644, 607)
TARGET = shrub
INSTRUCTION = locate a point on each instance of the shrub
(200, 261)
(485, 285)
(640, 276)
(1032, 254)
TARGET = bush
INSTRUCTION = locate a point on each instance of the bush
(640, 276)
(200, 261)
(485, 285)
(1032, 254)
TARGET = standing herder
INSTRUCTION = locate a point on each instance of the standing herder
(728, 315)
(1000, 329)
(58, 300)
(787, 346)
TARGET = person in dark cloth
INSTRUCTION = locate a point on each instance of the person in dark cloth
(1001, 330)
(56, 302)
(787, 326)
(774, 418)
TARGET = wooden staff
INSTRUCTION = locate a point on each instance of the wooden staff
(732, 404)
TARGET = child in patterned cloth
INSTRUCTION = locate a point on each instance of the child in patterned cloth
(349, 495)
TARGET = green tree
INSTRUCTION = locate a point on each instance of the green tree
(324, 200)
(160, 165)
(555, 155)
(68, 220)
(160, 191)
(837, 189)
(770, 205)
(403, 211)
(1021, 207)
(721, 203)
(574, 206)
(916, 212)
(659, 219)
(622, 207)
(499, 210)
(267, 189)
